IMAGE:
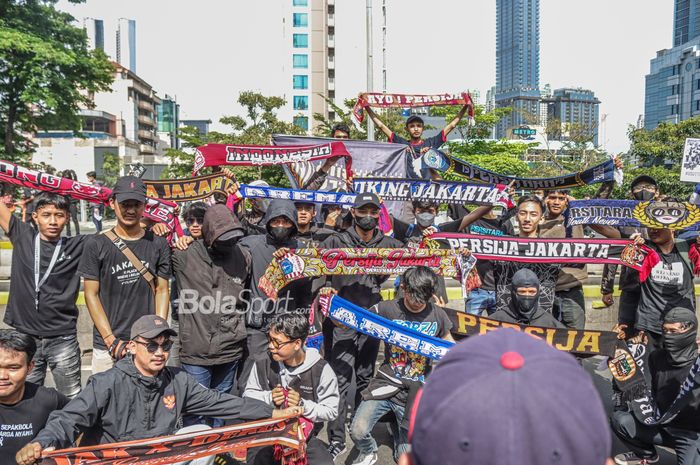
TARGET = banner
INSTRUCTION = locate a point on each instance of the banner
(572, 250)
(257, 155)
(442, 162)
(312, 263)
(157, 210)
(185, 190)
(391, 190)
(390, 332)
(580, 342)
(690, 166)
(235, 439)
(381, 100)
(659, 215)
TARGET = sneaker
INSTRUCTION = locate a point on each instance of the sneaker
(630, 458)
(335, 448)
(366, 459)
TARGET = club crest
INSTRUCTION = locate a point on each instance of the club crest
(622, 365)
(668, 215)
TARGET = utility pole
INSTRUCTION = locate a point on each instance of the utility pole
(370, 66)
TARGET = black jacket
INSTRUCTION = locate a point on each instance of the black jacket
(211, 288)
(541, 318)
(123, 405)
(362, 290)
(666, 381)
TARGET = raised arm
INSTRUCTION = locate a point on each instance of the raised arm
(474, 215)
(162, 297)
(378, 122)
(5, 213)
(453, 124)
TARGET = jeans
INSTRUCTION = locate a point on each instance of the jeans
(202, 460)
(479, 301)
(642, 439)
(570, 307)
(219, 377)
(62, 355)
(101, 361)
(74, 217)
(367, 415)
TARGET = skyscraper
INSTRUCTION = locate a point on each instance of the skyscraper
(517, 61)
(126, 43)
(686, 21)
(95, 29)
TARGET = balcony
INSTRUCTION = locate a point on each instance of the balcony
(331, 19)
(147, 120)
(331, 63)
(146, 134)
(146, 149)
(331, 83)
(145, 105)
(330, 2)
(331, 41)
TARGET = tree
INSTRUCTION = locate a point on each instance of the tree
(663, 144)
(47, 72)
(111, 168)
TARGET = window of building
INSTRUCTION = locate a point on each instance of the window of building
(300, 61)
(301, 81)
(300, 2)
(697, 105)
(301, 40)
(300, 19)
(301, 102)
(302, 122)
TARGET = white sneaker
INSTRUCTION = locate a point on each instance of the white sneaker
(630, 458)
(366, 459)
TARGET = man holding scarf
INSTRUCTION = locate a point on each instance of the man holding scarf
(668, 369)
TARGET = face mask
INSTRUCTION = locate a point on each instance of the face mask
(526, 305)
(644, 196)
(681, 348)
(425, 219)
(366, 223)
(223, 246)
(280, 233)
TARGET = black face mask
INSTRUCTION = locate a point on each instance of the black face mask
(223, 247)
(366, 223)
(644, 195)
(681, 347)
(280, 233)
(526, 305)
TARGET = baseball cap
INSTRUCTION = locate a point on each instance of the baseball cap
(366, 199)
(150, 326)
(414, 118)
(507, 397)
(643, 178)
(130, 188)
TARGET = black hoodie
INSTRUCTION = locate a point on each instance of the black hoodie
(512, 314)
(211, 287)
(121, 404)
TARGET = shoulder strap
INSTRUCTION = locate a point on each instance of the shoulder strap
(683, 249)
(135, 262)
(316, 372)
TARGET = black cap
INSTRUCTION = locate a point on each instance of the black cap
(366, 199)
(129, 188)
(151, 326)
(414, 118)
(643, 178)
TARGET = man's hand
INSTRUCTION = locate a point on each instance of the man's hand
(160, 229)
(637, 238)
(618, 163)
(639, 338)
(117, 349)
(278, 396)
(620, 329)
(464, 252)
(424, 149)
(608, 299)
(429, 231)
(288, 412)
(183, 242)
(438, 301)
(31, 453)
(328, 164)
(293, 397)
(281, 252)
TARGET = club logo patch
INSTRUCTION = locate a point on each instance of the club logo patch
(622, 365)
(169, 402)
(669, 215)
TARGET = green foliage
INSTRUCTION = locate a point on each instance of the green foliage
(46, 73)
(111, 168)
(664, 143)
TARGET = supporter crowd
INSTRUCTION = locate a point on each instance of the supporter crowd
(185, 339)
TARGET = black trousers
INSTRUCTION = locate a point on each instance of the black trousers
(316, 454)
(642, 439)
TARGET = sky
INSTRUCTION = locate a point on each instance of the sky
(206, 52)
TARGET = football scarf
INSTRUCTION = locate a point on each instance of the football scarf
(380, 100)
(157, 210)
(312, 263)
(185, 190)
(235, 439)
(445, 163)
(571, 250)
(259, 155)
(371, 324)
(666, 215)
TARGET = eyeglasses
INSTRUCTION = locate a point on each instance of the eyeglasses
(191, 221)
(277, 344)
(152, 346)
(644, 187)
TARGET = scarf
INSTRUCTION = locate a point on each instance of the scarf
(666, 215)
(312, 263)
(158, 210)
(185, 190)
(379, 100)
(256, 155)
(371, 324)
(235, 439)
(600, 173)
(572, 250)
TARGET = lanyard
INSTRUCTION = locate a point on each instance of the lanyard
(37, 258)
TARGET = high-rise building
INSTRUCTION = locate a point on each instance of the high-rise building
(168, 111)
(123, 48)
(201, 125)
(126, 43)
(686, 21)
(578, 110)
(517, 62)
(310, 37)
(95, 29)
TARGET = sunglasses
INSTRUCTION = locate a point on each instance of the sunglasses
(277, 344)
(152, 346)
(191, 221)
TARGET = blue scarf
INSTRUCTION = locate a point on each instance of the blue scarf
(667, 215)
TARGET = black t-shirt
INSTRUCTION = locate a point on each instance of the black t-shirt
(415, 168)
(404, 231)
(19, 423)
(57, 313)
(669, 285)
(503, 272)
(125, 295)
(486, 227)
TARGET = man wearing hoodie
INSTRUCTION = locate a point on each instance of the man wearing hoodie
(668, 368)
(350, 351)
(294, 375)
(524, 305)
(253, 219)
(140, 398)
(211, 276)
